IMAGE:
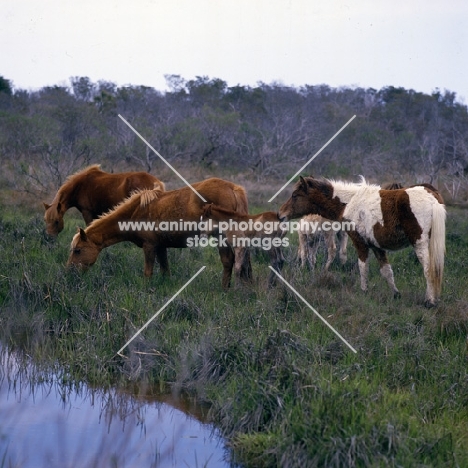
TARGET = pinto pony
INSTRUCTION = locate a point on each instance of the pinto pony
(144, 219)
(309, 241)
(383, 219)
(261, 226)
(93, 192)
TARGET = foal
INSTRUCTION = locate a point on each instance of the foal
(261, 226)
(309, 242)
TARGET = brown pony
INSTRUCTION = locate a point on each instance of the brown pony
(240, 229)
(93, 192)
(383, 220)
(145, 219)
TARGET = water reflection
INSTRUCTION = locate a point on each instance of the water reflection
(48, 422)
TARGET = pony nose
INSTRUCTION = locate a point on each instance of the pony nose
(51, 232)
(76, 266)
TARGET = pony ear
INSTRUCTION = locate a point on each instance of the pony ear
(303, 183)
(158, 187)
(83, 235)
(46, 206)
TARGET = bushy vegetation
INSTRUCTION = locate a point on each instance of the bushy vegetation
(283, 388)
(265, 131)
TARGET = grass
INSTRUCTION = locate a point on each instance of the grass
(284, 390)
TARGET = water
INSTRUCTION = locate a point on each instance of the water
(47, 423)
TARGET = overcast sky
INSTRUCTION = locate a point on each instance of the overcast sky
(421, 45)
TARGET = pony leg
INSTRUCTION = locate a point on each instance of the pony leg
(150, 255)
(363, 272)
(422, 252)
(386, 269)
(343, 239)
(227, 259)
(161, 255)
(331, 248)
(277, 262)
(363, 257)
(242, 264)
(303, 248)
(313, 244)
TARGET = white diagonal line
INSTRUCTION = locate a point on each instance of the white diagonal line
(312, 158)
(312, 309)
(157, 154)
(161, 309)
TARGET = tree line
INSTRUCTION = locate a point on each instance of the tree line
(267, 131)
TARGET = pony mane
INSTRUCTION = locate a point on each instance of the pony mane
(345, 185)
(145, 197)
(71, 179)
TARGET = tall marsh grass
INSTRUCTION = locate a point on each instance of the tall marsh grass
(283, 389)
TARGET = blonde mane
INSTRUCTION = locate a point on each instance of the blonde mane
(347, 190)
(145, 197)
(344, 185)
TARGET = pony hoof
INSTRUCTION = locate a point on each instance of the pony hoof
(396, 295)
(429, 304)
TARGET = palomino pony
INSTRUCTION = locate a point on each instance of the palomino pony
(145, 218)
(261, 226)
(309, 242)
(383, 220)
(93, 192)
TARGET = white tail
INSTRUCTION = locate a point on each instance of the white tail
(437, 247)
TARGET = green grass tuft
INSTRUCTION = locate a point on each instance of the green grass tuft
(282, 388)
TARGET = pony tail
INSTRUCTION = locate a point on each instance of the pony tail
(241, 200)
(437, 247)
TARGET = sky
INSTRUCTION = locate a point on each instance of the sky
(420, 45)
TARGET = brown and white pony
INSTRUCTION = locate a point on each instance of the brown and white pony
(384, 220)
(309, 240)
(93, 192)
(147, 210)
(261, 226)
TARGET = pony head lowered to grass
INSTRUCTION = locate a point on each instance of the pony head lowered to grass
(94, 192)
(383, 220)
(139, 219)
